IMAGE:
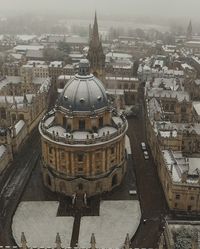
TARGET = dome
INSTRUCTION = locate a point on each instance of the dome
(84, 92)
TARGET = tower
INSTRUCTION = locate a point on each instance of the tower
(189, 32)
(95, 55)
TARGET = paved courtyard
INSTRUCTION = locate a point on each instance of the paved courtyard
(40, 223)
(117, 218)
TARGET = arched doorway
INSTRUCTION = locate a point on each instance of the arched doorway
(114, 180)
(48, 180)
(62, 187)
(80, 186)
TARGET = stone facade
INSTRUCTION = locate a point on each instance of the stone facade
(83, 151)
(166, 140)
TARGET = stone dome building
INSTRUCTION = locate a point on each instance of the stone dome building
(83, 139)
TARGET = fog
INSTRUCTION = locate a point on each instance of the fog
(119, 8)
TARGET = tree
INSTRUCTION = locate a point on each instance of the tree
(52, 54)
(64, 47)
(184, 237)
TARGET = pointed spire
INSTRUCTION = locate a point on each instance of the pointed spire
(95, 55)
(95, 31)
(23, 241)
(6, 100)
(127, 242)
(189, 31)
(58, 241)
(25, 100)
(93, 241)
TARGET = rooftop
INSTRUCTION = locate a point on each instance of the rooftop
(178, 165)
(160, 93)
(60, 135)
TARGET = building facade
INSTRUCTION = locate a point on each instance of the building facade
(83, 139)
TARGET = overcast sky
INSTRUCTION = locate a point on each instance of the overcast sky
(151, 8)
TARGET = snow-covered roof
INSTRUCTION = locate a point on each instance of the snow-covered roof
(179, 127)
(17, 99)
(16, 56)
(26, 37)
(159, 63)
(65, 77)
(166, 83)
(178, 165)
(33, 53)
(186, 66)
(45, 84)
(197, 82)
(19, 126)
(117, 120)
(196, 106)
(2, 150)
(115, 55)
(56, 64)
(28, 47)
(160, 93)
(154, 107)
(168, 133)
(121, 78)
(36, 62)
(76, 40)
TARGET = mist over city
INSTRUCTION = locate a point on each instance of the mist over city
(99, 124)
(163, 13)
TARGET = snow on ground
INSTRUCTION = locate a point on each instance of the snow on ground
(39, 223)
(128, 145)
(19, 125)
(117, 218)
(2, 150)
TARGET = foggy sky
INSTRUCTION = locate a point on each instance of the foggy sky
(189, 9)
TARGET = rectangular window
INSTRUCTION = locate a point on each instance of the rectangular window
(176, 205)
(81, 124)
(80, 157)
(62, 155)
(192, 198)
(101, 122)
(177, 197)
(112, 149)
(50, 150)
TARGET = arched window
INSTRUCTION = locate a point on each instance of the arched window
(167, 107)
(21, 116)
(81, 125)
(13, 117)
(183, 109)
(114, 180)
(3, 113)
(62, 187)
(80, 186)
(48, 180)
(100, 122)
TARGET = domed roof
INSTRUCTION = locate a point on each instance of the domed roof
(84, 92)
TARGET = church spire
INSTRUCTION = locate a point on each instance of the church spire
(95, 55)
(189, 31)
(95, 30)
